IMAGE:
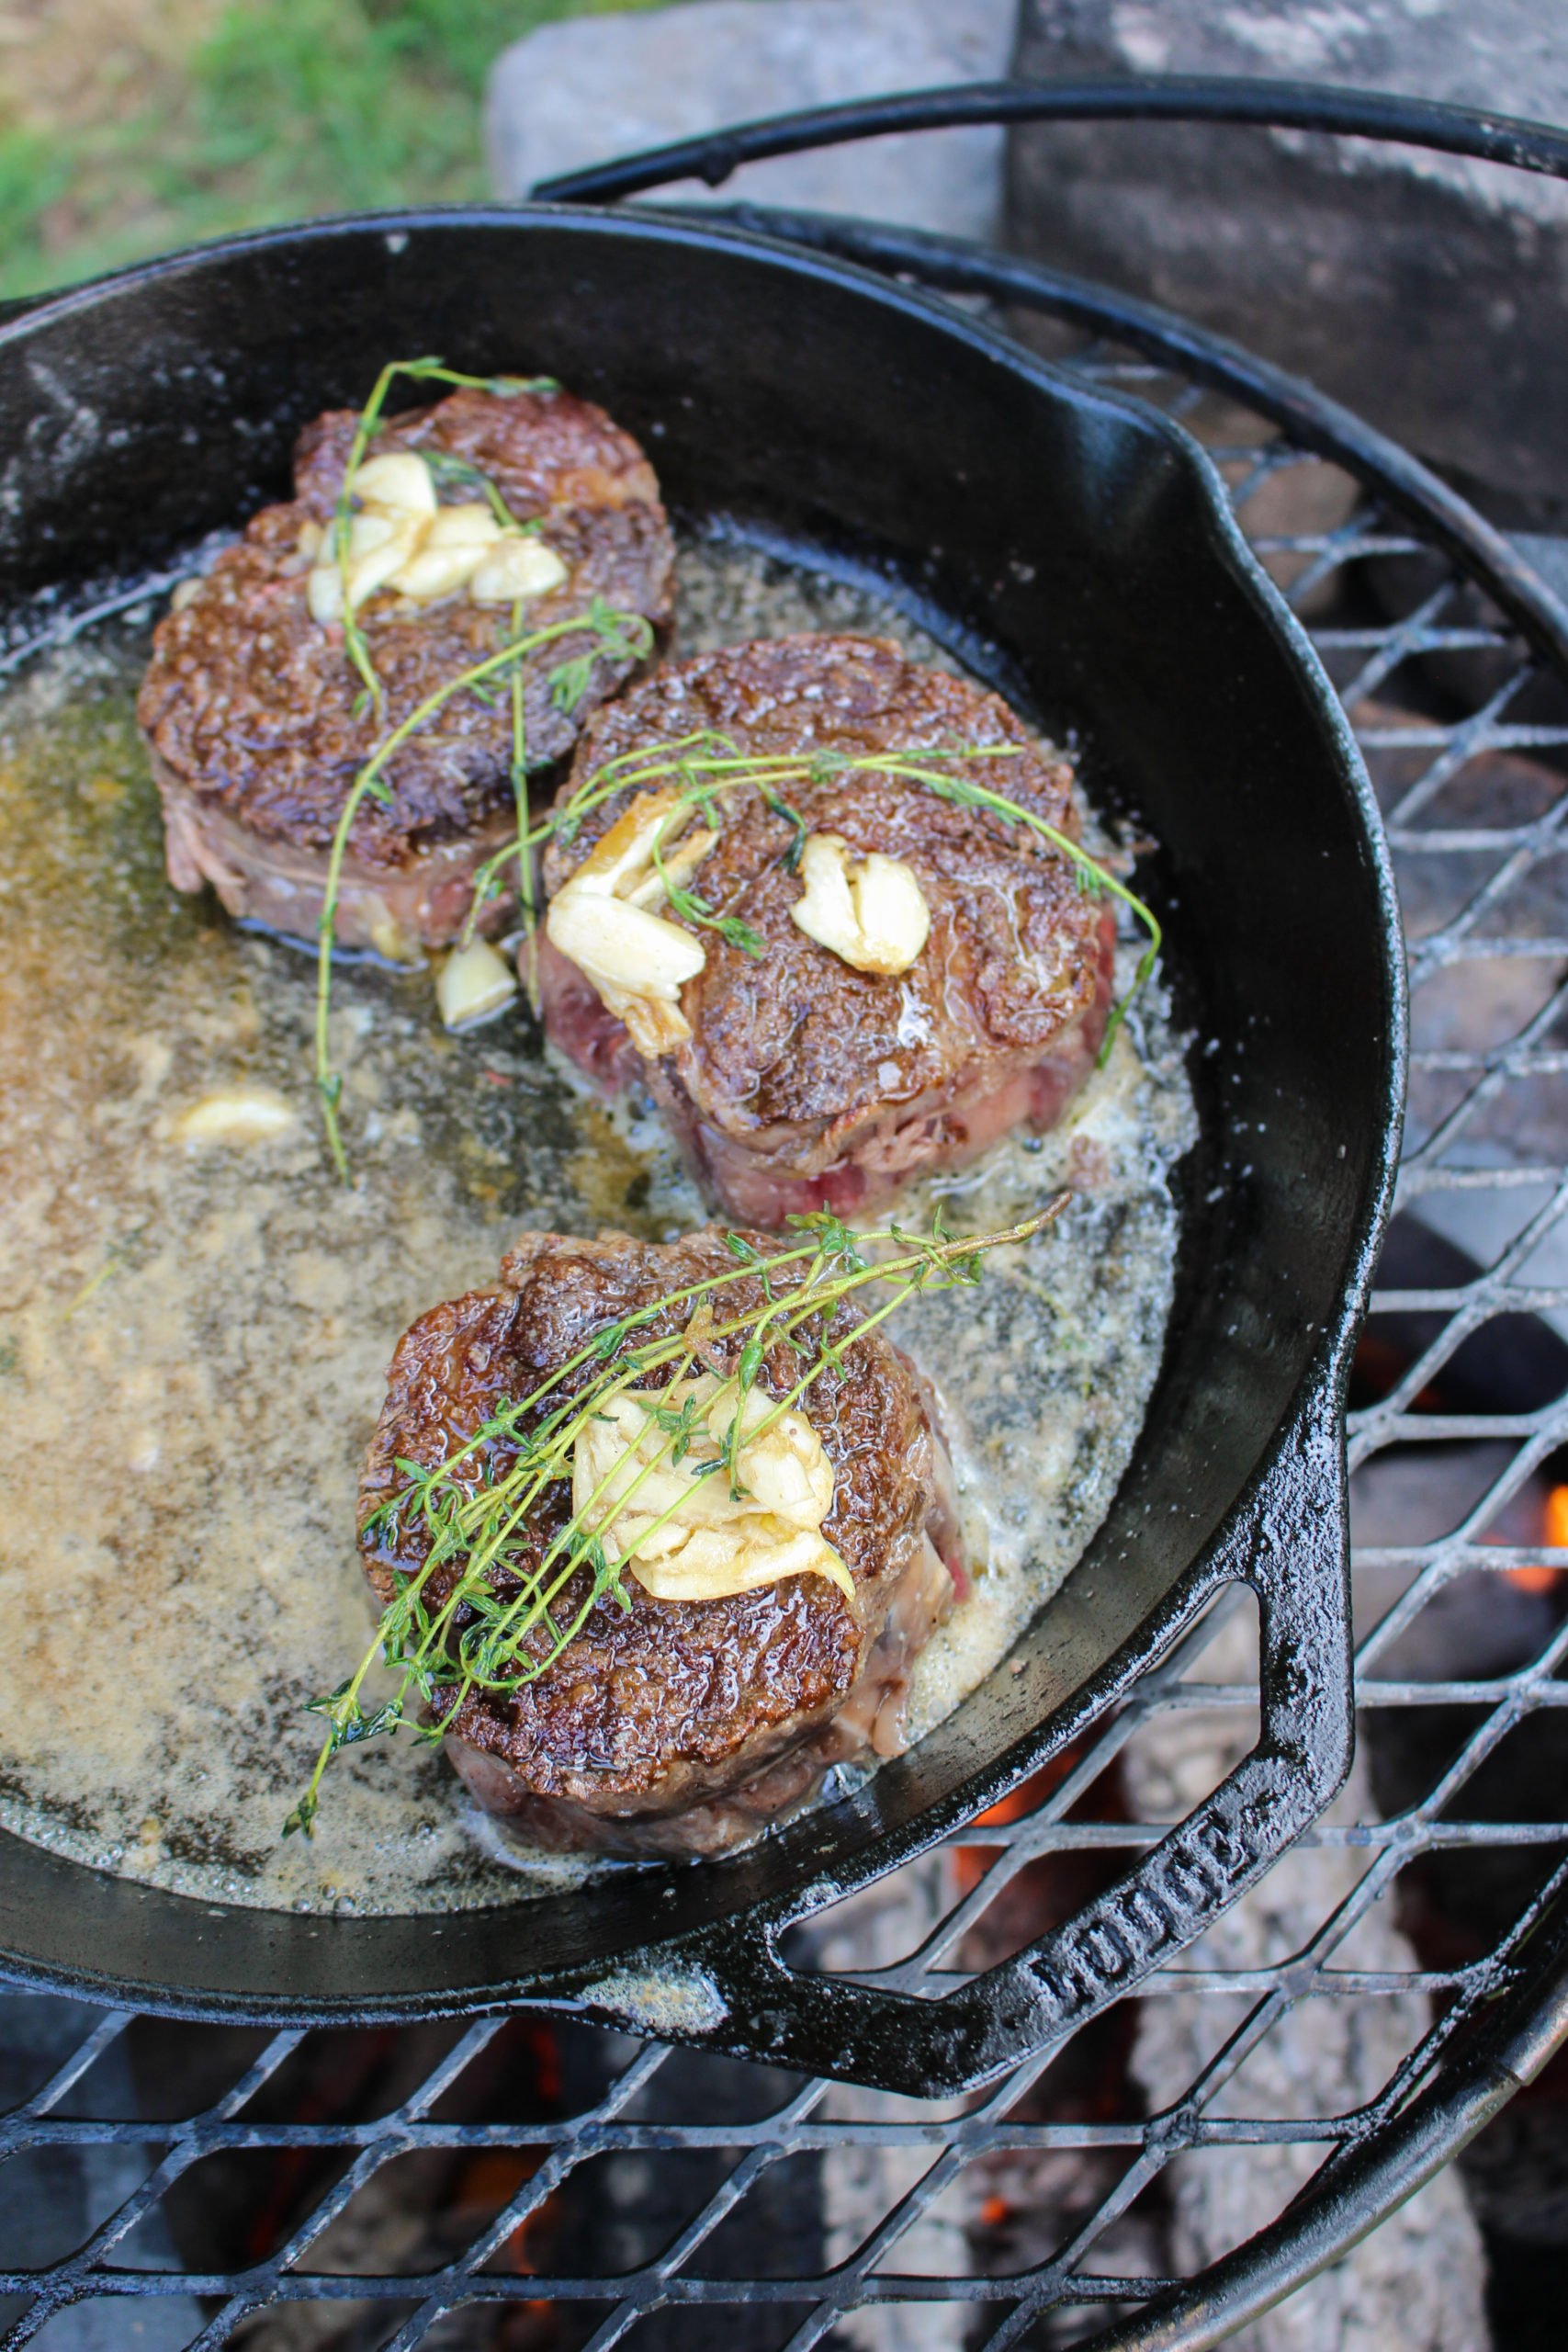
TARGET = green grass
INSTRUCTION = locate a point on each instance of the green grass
(283, 112)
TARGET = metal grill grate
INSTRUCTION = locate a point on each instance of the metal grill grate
(519, 2182)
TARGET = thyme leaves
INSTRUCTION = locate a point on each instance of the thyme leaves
(619, 638)
(450, 472)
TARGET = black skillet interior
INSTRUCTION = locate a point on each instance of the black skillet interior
(1077, 550)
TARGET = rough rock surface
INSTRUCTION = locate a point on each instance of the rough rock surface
(601, 86)
(1425, 290)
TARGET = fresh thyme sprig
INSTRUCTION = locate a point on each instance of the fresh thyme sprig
(617, 636)
(702, 766)
(627, 637)
(449, 471)
(614, 636)
(511, 1606)
(694, 908)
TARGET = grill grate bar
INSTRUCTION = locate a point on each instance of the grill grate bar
(1524, 1174)
(1388, 648)
(82, 2060)
(1424, 735)
(1451, 638)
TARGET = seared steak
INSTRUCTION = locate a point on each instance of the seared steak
(679, 1727)
(259, 722)
(805, 1082)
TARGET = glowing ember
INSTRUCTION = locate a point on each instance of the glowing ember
(1554, 1534)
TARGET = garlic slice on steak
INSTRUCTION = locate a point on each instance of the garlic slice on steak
(870, 910)
(454, 542)
(714, 1542)
(638, 963)
(515, 568)
(403, 538)
(378, 546)
(399, 481)
(602, 919)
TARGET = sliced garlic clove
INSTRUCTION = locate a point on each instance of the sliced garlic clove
(785, 1470)
(438, 572)
(685, 1535)
(367, 532)
(636, 960)
(455, 540)
(870, 911)
(680, 864)
(378, 545)
(890, 908)
(399, 481)
(378, 566)
(389, 935)
(470, 526)
(826, 912)
(655, 1026)
(517, 568)
(712, 1566)
(623, 945)
(620, 864)
(621, 1456)
(236, 1115)
(781, 1465)
(621, 860)
(474, 982)
(323, 593)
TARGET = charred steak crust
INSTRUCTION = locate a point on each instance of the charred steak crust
(674, 1704)
(794, 1055)
(250, 706)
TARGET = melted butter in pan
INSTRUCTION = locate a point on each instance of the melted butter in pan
(194, 1330)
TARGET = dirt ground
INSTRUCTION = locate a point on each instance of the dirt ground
(130, 126)
(72, 71)
(71, 61)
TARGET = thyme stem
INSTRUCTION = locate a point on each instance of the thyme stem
(524, 854)
(605, 626)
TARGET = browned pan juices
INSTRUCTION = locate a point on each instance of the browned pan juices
(193, 1334)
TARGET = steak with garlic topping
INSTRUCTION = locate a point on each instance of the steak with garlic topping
(677, 1725)
(930, 975)
(258, 721)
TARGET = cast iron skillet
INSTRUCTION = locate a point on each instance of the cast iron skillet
(1079, 551)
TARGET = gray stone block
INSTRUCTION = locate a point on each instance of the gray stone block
(1426, 291)
(599, 86)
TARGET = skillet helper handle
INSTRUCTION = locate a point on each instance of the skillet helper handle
(726, 1987)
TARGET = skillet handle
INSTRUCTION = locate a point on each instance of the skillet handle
(726, 1986)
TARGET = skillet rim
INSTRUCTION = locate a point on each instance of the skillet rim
(1319, 1391)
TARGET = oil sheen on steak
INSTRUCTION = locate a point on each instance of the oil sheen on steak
(681, 1727)
(807, 1084)
(257, 722)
